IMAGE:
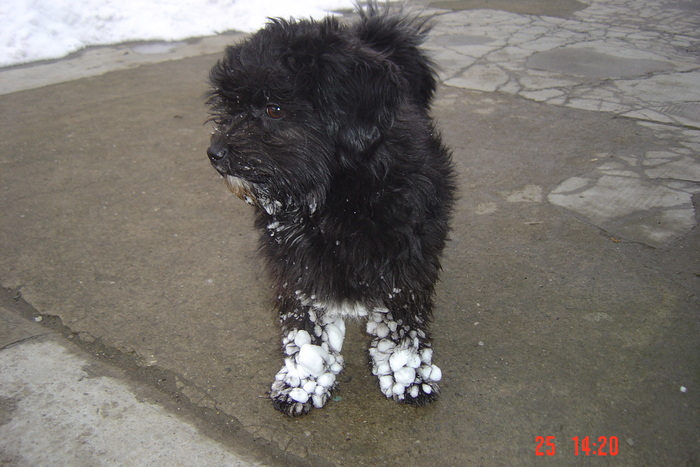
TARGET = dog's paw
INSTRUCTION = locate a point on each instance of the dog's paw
(290, 401)
(413, 386)
(296, 390)
(421, 393)
(309, 372)
(401, 358)
(295, 401)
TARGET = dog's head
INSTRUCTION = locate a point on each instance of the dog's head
(300, 101)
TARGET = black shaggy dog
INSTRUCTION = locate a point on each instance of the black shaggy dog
(325, 129)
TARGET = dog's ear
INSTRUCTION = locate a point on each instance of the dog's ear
(399, 37)
(362, 103)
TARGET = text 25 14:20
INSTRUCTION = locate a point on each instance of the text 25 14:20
(603, 446)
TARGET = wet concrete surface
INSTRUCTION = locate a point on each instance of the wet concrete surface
(568, 302)
(560, 8)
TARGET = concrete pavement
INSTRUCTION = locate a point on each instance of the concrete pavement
(568, 305)
(60, 406)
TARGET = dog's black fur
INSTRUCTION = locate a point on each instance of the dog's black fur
(325, 128)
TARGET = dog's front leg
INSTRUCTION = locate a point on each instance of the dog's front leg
(312, 343)
(401, 356)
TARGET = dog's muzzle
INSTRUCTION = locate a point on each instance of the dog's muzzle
(236, 185)
(219, 155)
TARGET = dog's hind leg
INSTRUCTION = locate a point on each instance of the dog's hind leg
(401, 357)
(312, 343)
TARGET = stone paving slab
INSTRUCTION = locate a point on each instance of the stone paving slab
(600, 58)
(633, 61)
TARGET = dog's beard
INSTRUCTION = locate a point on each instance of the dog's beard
(247, 192)
(240, 188)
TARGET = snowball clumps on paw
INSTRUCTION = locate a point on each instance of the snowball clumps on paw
(309, 372)
(404, 368)
(299, 395)
(435, 373)
(405, 375)
(334, 335)
(313, 358)
(327, 380)
(302, 338)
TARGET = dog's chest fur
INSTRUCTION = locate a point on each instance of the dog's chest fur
(324, 251)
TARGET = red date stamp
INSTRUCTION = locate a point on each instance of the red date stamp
(583, 445)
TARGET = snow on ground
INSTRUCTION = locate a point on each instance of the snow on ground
(45, 29)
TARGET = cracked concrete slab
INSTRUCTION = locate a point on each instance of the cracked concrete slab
(59, 407)
(631, 207)
(596, 59)
(538, 57)
(645, 197)
(63, 404)
(561, 8)
(588, 63)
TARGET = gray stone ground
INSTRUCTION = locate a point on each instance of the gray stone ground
(568, 305)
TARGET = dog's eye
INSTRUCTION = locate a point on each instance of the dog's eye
(274, 111)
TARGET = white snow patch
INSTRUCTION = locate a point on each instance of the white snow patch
(45, 29)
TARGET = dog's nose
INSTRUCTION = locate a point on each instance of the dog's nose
(216, 153)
